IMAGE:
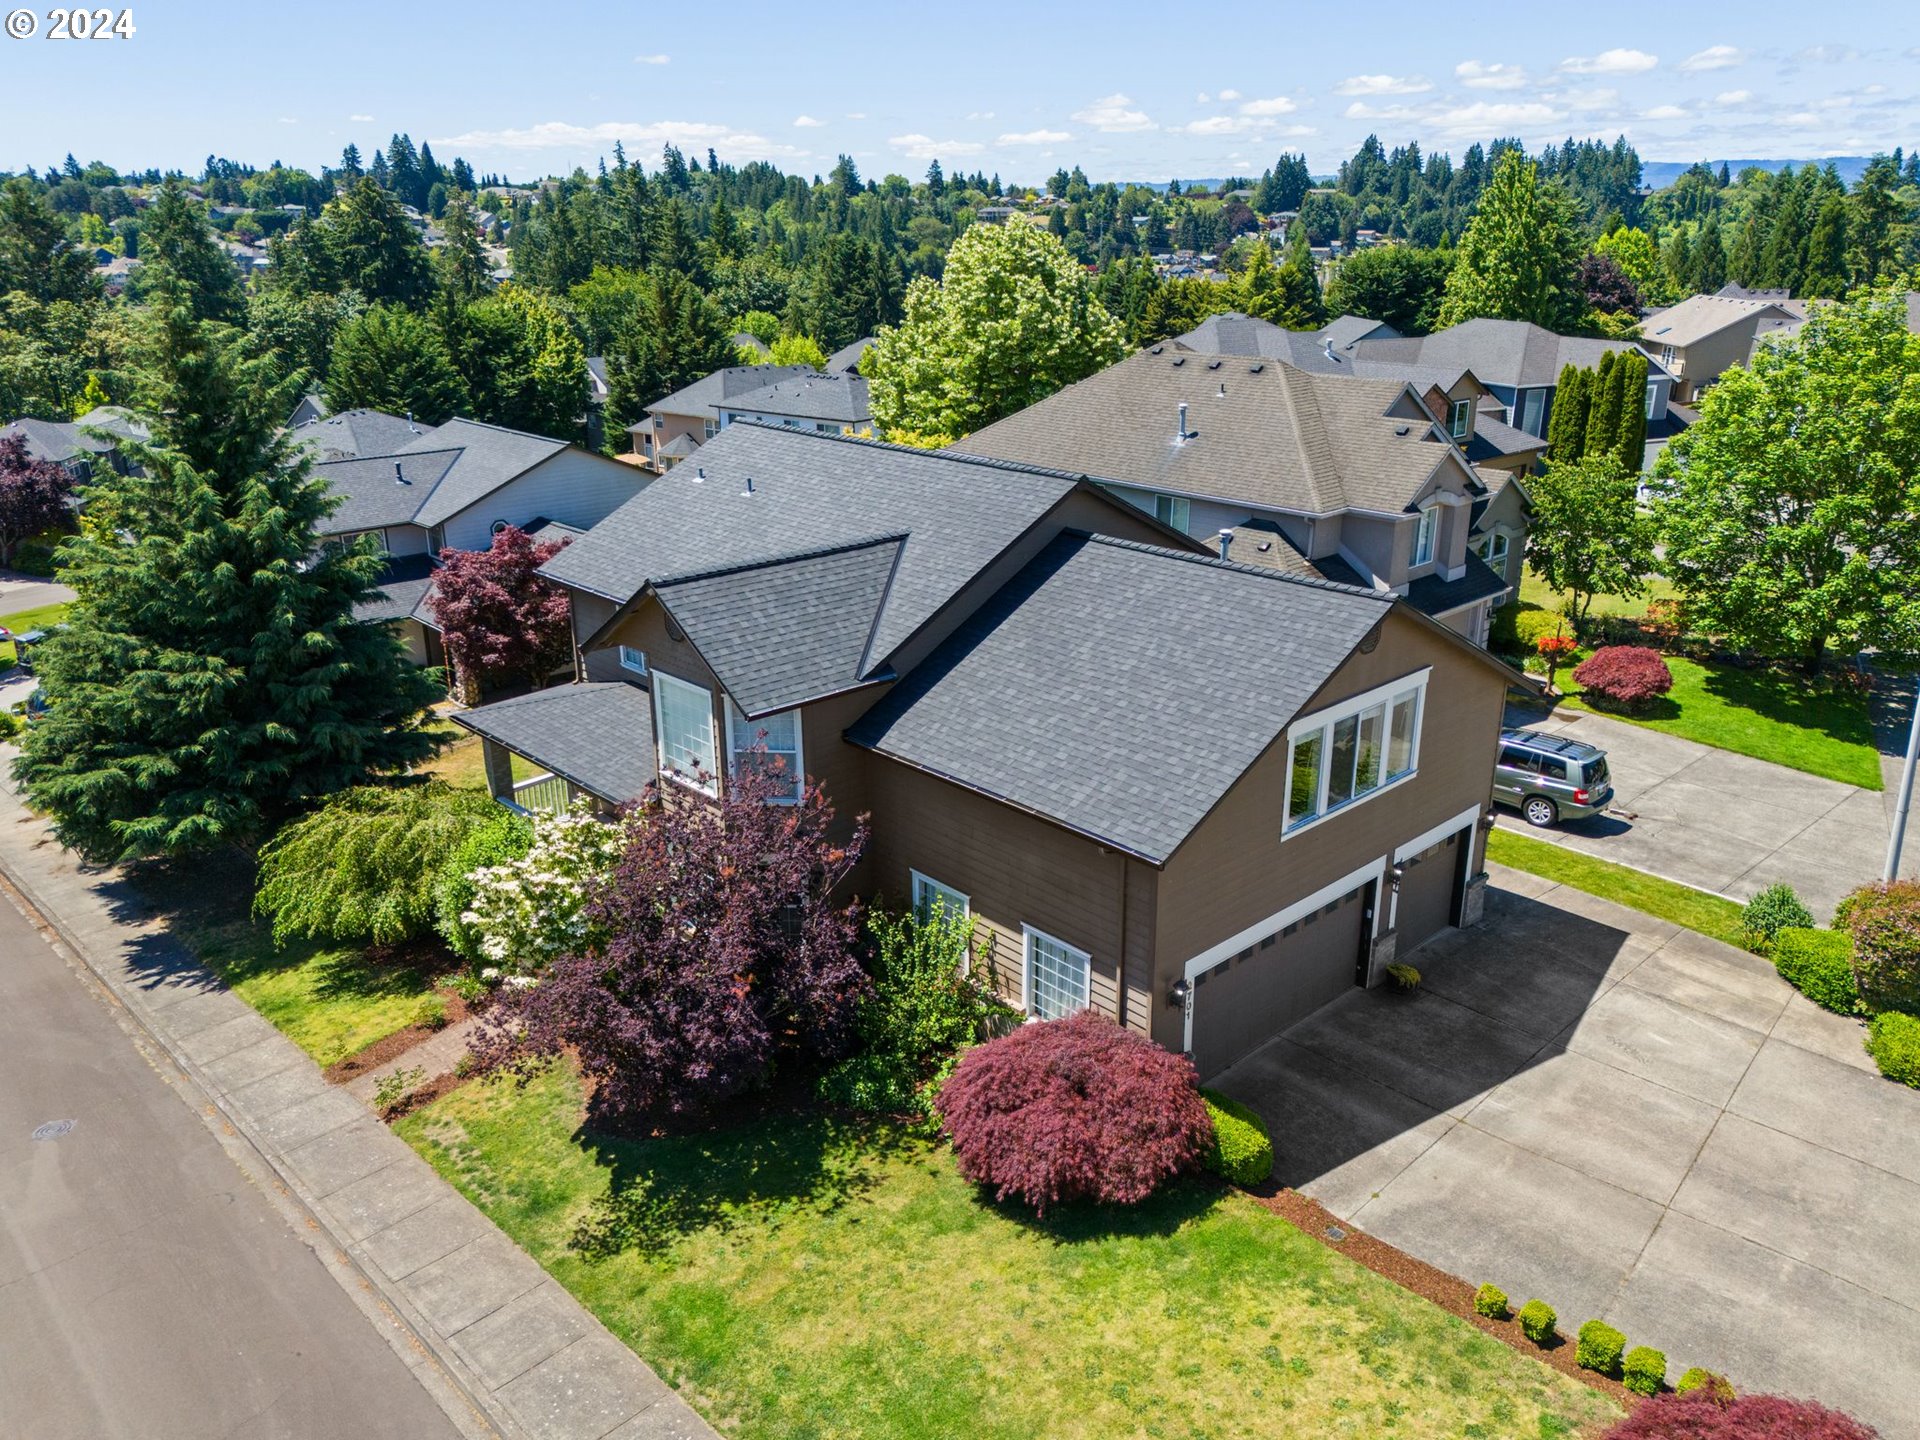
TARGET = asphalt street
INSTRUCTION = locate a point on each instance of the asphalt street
(148, 1289)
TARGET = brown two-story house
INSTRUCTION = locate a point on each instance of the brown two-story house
(1199, 796)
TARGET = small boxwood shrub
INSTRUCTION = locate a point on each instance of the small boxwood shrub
(1893, 1040)
(1700, 1415)
(1599, 1348)
(1644, 1370)
(1490, 1301)
(1701, 1378)
(1884, 920)
(1074, 1109)
(1819, 964)
(1537, 1321)
(1623, 677)
(1530, 623)
(1241, 1152)
(1774, 909)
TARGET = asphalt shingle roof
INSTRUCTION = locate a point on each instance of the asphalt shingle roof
(809, 397)
(353, 433)
(704, 395)
(1493, 439)
(404, 584)
(373, 495)
(1047, 695)
(1263, 543)
(815, 492)
(599, 736)
(57, 441)
(1509, 353)
(846, 360)
(1698, 316)
(788, 631)
(489, 456)
(1279, 438)
(1431, 595)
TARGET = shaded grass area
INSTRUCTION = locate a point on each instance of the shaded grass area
(461, 761)
(330, 1000)
(39, 617)
(1535, 591)
(1693, 909)
(806, 1276)
(1774, 715)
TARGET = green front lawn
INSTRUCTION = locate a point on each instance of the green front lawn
(40, 617)
(461, 762)
(1664, 899)
(1535, 591)
(331, 1001)
(806, 1277)
(1772, 715)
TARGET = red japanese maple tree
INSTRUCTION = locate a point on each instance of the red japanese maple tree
(33, 495)
(500, 621)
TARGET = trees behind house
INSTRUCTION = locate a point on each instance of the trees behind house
(1013, 320)
(1791, 523)
(501, 623)
(672, 337)
(33, 496)
(1398, 285)
(394, 360)
(1518, 258)
(1602, 411)
(1587, 536)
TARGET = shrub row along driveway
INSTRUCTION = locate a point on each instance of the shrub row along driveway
(1721, 821)
(1629, 1121)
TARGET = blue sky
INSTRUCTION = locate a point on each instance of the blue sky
(1127, 90)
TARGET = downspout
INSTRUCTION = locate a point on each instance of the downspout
(1120, 990)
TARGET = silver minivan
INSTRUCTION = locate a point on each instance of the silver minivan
(1549, 778)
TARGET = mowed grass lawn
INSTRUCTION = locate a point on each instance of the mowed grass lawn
(1685, 906)
(40, 617)
(461, 761)
(330, 1000)
(806, 1277)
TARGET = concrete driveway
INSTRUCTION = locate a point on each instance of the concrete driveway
(1628, 1121)
(1725, 822)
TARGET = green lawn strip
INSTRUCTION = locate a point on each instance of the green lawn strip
(1769, 714)
(461, 762)
(40, 617)
(808, 1277)
(1711, 915)
(330, 1000)
(1535, 591)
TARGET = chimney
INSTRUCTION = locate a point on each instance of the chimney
(1180, 435)
(1226, 542)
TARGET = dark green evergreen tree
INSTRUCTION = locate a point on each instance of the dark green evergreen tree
(393, 360)
(35, 255)
(174, 235)
(374, 250)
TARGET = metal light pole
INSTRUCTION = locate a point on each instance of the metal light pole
(1906, 792)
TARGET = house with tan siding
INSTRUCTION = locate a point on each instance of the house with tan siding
(1199, 796)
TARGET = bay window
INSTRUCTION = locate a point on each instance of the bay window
(1358, 748)
(771, 744)
(683, 723)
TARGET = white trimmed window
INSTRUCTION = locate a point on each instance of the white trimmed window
(929, 894)
(710, 428)
(1175, 511)
(1493, 549)
(683, 723)
(633, 660)
(1059, 977)
(1423, 533)
(1653, 395)
(1356, 749)
(773, 743)
(1533, 412)
(1460, 419)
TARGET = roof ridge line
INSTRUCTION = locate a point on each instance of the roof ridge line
(966, 457)
(502, 429)
(1263, 572)
(394, 455)
(812, 553)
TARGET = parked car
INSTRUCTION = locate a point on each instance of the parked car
(1549, 778)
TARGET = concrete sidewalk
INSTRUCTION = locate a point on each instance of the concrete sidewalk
(482, 1325)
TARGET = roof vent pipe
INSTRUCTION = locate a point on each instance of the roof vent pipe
(1327, 344)
(1223, 391)
(1226, 542)
(1180, 435)
(399, 478)
(699, 473)
(749, 489)
(410, 428)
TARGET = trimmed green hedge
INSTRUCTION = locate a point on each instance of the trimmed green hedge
(1701, 1378)
(1893, 1040)
(1819, 964)
(1240, 1153)
(1490, 1301)
(1600, 1348)
(1537, 1321)
(1645, 1370)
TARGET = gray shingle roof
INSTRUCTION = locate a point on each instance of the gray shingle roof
(57, 441)
(371, 489)
(403, 589)
(599, 736)
(1101, 652)
(1326, 351)
(1343, 330)
(1278, 439)
(353, 433)
(490, 456)
(1500, 352)
(1698, 316)
(703, 396)
(814, 396)
(815, 492)
(846, 360)
(789, 631)
(1431, 595)
(1265, 544)
(1492, 439)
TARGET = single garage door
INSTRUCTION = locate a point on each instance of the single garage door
(1247, 999)
(1427, 892)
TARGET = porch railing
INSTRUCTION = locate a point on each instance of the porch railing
(543, 794)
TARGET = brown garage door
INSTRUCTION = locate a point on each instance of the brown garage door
(1246, 1000)
(1427, 892)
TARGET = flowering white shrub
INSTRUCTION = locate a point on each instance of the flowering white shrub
(530, 911)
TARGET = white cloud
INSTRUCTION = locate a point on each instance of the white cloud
(1664, 112)
(1828, 54)
(361, 119)
(1597, 97)
(288, 120)
(1800, 117)
(1229, 95)
(980, 115)
(1714, 57)
(1360, 110)
(1278, 105)
(1476, 75)
(1383, 85)
(921, 147)
(1203, 98)
(1610, 62)
(807, 122)
(1485, 117)
(1217, 125)
(651, 59)
(856, 115)
(1733, 97)
(1113, 114)
(687, 134)
(1036, 137)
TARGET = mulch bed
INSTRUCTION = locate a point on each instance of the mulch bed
(1449, 1292)
(391, 1047)
(424, 1094)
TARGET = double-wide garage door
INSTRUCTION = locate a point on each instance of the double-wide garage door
(1244, 1000)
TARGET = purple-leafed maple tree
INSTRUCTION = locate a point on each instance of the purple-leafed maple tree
(726, 950)
(500, 621)
(33, 496)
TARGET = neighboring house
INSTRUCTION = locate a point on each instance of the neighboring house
(1699, 339)
(451, 487)
(84, 445)
(678, 424)
(833, 403)
(746, 340)
(846, 360)
(313, 406)
(1350, 479)
(1200, 797)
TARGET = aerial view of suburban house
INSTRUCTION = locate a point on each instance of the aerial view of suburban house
(80, 445)
(424, 489)
(1019, 677)
(833, 403)
(1329, 476)
(680, 423)
(1697, 340)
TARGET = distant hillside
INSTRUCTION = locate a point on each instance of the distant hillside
(1658, 174)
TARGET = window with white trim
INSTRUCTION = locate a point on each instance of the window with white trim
(683, 723)
(773, 744)
(930, 895)
(1653, 395)
(1175, 511)
(1533, 412)
(710, 428)
(1423, 533)
(633, 660)
(1059, 977)
(1460, 419)
(1493, 549)
(1356, 749)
